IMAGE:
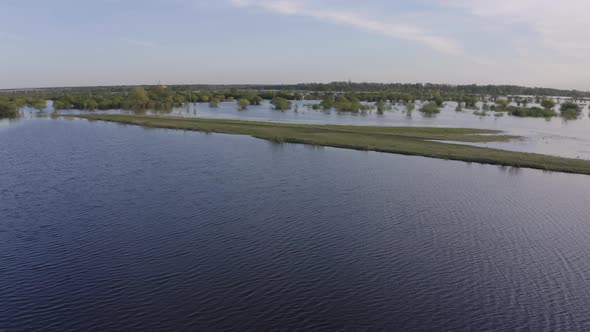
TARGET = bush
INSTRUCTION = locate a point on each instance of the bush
(430, 108)
(8, 108)
(535, 112)
(547, 103)
(243, 103)
(570, 110)
(281, 104)
(328, 102)
(380, 106)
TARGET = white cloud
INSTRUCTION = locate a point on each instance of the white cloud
(399, 31)
(560, 25)
(142, 43)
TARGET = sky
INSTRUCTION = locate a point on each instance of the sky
(112, 42)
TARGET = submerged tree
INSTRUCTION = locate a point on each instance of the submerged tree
(430, 108)
(8, 108)
(328, 102)
(470, 101)
(547, 103)
(214, 103)
(380, 106)
(138, 98)
(281, 104)
(243, 103)
(437, 98)
(570, 110)
(501, 104)
(38, 103)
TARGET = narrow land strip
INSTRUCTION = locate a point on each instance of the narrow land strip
(401, 140)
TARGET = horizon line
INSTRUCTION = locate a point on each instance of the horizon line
(3, 90)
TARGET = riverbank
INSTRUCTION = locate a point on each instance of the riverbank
(401, 140)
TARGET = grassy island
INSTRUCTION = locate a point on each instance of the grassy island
(419, 141)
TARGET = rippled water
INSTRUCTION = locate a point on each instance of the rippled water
(105, 226)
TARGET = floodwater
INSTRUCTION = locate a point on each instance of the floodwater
(555, 136)
(105, 226)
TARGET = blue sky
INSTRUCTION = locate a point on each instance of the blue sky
(103, 42)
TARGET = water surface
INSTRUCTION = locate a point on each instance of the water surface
(106, 226)
(555, 136)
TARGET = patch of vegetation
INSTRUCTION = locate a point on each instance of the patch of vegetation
(243, 103)
(137, 98)
(8, 108)
(401, 140)
(570, 110)
(535, 112)
(349, 104)
(380, 106)
(438, 99)
(327, 102)
(430, 108)
(547, 103)
(281, 104)
(214, 102)
(470, 101)
(501, 104)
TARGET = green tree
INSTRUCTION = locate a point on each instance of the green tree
(161, 96)
(470, 101)
(328, 102)
(243, 103)
(547, 103)
(281, 104)
(38, 103)
(502, 103)
(253, 98)
(570, 110)
(380, 106)
(214, 103)
(138, 98)
(8, 108)
(430, 108)
(437, 98)
(342, 103)
(204, 97)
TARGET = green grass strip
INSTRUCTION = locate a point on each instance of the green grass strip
(416, 141)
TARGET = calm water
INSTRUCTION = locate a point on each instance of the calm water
(105, 226)
(555, 136)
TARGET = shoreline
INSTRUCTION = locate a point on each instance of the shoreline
(416, 141)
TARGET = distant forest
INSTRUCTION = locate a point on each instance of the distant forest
(342, 96)
(416, 89)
